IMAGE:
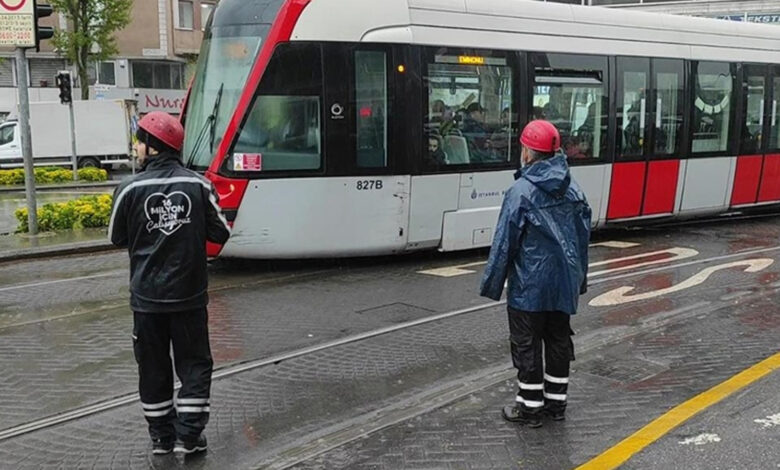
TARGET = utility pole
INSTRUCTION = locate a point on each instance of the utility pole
(19, 23)
(74, 157)
(24, 129)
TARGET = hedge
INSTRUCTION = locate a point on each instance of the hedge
(84, 212)
(51, 175)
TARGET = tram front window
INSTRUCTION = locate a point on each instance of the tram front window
(226, 56)
(283, 129)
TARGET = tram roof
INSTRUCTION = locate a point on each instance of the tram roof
(531, 25)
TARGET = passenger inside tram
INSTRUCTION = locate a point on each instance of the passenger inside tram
(500, 140)
(436, 155)
(577, 148)
(631, 133)
(473, 129)
(438, 112)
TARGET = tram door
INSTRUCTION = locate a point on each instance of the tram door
(769, 189)
(710, 165)
(646, 173)
(757, 175)
(366, 198)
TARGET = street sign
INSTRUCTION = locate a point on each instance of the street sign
(17, 23)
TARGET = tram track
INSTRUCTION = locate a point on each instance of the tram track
(229, 370)
(123, 304)
(233, 369)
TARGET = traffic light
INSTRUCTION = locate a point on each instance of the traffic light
(63, 83)
(42, 10)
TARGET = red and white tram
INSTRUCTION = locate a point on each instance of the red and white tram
(358, 127)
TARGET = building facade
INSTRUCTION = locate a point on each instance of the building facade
(157, 54)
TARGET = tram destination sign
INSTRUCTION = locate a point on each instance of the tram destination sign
(17, 23)
(766, 18)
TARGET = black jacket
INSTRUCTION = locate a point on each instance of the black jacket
(164, 215)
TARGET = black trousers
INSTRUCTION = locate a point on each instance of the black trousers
(533, 335)
(153, 336)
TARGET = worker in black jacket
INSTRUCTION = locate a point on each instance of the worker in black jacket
(164, 215)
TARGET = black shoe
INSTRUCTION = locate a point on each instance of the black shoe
(190, 446)
(162, 446)
(514, 414)
(555, 413)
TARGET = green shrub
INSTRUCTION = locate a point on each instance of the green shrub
(84, 212)
(52, 175)
(12, 177)
(92, 174)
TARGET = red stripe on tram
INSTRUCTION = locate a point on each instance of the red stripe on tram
(746, 179)
(232, 190)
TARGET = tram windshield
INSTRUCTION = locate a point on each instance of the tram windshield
(226, 57)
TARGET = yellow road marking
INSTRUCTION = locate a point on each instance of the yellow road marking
(624, 450)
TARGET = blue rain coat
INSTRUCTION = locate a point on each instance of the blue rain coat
(541, 241)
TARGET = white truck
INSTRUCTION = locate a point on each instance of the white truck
(103, 135)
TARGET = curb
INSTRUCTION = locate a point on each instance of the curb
(56, 250)
(102, 184)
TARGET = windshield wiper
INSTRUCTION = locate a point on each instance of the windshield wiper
(213, 127)
(210, 126)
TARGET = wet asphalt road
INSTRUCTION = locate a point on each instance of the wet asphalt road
(65, 344)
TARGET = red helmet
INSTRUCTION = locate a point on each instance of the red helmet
(164, 127)
(541, 136)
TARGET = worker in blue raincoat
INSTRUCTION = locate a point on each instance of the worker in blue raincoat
(540, 250)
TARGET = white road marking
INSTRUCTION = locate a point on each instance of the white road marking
(769, 421)
(452, 271)
(685, 264)
(677, 253)
(615, 244)
(618, 296)
(701, 439)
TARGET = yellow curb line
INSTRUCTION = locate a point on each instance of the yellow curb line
(624, 450)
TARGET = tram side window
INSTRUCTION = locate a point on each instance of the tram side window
(752, 114)
(669, 89)
(774, 132)
(712, 106)
(571, 92)
(371, 108)
(283, 129)
(469, 114)
(632, 97)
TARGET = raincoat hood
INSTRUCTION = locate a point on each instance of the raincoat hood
(551, 175)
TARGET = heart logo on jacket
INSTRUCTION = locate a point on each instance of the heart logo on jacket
(167, 212)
